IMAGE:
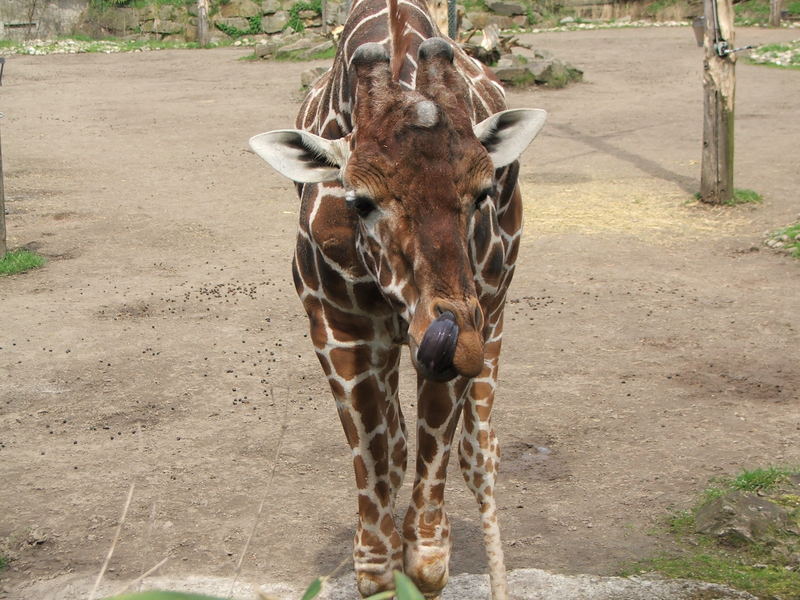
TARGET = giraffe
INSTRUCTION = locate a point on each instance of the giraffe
(405, 162)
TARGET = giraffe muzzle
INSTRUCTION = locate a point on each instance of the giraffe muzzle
(438, 348)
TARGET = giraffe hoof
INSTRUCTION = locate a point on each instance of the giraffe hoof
(370, 584)
(428, 568)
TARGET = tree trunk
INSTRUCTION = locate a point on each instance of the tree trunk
(774, 13)
(202, 23)
(719, 86)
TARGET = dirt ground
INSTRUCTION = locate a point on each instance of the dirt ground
(650, 343)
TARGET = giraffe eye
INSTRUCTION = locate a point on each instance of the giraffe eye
(483, 195)
(361, 204)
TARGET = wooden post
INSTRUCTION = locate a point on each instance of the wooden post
(774, 13)
(719, 86)
(202, 23)
(3, 246)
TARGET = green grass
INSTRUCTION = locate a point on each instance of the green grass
(3, 562)
(745, 196)
(105, 45)
(755, 480)
(764, 581)
(785, 55)
(753, 568)
(740, 196)
(19, 261)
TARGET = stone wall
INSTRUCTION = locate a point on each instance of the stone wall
(21, 19)
(228, 19)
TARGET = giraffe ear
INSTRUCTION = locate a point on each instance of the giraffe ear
(506, 134)
(302, 156)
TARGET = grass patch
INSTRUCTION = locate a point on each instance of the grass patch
(3, 562)
(19, 261)
(764, 581)
(76, 45)
(740, 196)
(755, 480)
(786, 238)
(755, 567)
(300, 55)
(295, 23)
(745, 196)
(785, 55)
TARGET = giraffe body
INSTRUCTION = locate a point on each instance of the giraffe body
(410, 220)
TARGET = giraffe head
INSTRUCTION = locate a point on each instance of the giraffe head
(415, 173)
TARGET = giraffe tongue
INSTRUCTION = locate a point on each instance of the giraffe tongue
(435, 353)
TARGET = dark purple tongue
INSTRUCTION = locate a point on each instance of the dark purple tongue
(438, 346)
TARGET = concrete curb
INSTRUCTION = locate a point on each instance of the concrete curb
(525, 584)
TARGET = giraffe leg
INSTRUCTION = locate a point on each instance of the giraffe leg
(363, 388)
(426, 529)
(396, 428)
(479, 457)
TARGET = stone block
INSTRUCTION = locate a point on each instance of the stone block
(310, 76)
(117, 19)
(240, 8)
(270, 7)
(239, 23)
(162, 27)
(506, 7)
(274, 23)
(318, 49)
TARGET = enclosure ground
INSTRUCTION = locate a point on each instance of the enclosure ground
(651, 343)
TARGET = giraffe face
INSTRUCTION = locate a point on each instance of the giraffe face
(414, 180)
(415, 171)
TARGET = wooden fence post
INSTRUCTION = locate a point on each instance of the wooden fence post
(202, 23)
(719, 86)
(774, 13)
(3, 247)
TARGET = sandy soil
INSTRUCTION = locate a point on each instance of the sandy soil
(651, 344)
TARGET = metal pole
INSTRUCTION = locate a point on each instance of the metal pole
(452, 22)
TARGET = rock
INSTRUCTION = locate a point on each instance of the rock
(240, 8)
(303, 50)
(545, 54)
(310, 76)
(567, 20)
(117, 19)
(163, 27)
(270, 7)
(239, 23)
(318, 49)
(554, 73)
(506, 8)
(480, 20)
(514, 75)
(512, 60)
(274, 23)
(740, 518)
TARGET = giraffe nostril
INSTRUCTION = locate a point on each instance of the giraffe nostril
(478, 317)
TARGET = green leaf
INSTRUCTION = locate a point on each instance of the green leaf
(406, 590)
(313, 590)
